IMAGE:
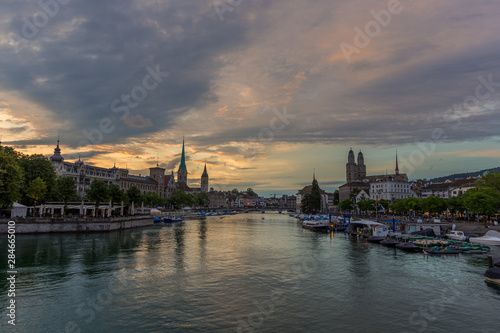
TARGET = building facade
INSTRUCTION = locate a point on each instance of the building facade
(390, 188)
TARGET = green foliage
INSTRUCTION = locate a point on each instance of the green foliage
(336, 197)
(11, 177)
(64, 190)
(311, 202)
(456, 204)
(36, 190)
(407, 205)
(98, 192)
(116, 194)
(151, 199)
(37, 166)
(346, 205)
(235, 191)
(367, 205)
(434, 205)
(180, 199)
(384, 203)
(251, 192)
(490, 180)
(201, 200)
(354, 192)
(133, 194)
(482, 200)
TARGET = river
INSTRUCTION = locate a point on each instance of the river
(243, 273)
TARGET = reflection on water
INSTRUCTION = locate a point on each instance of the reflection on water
(218, 274)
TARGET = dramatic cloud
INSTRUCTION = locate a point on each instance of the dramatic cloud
(122, 79)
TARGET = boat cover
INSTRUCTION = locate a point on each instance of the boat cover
(427, 232)
(493, 273)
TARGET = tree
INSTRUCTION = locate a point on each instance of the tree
(434, 205)
(37, 166)
(116, 194)
(201, 200)
(235, 191)
(490, 180)
(98, 192)
(354, 192)
(399, 206)
(384, 203)
(65, 190)
(367, 205)
(181, 199)
(455, 205)
(336, 197)
(11, 177)
(481, 201)
(346, 205)
(151, 199)
(311, 202)
(251, 193)
(133, 194)
(36, 190)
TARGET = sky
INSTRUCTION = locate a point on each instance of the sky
(264, 91)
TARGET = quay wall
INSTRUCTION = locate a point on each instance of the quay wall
(48, 225)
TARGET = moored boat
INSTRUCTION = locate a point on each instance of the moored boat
(492, 237)
(409, 247)
(319, 225)
(493, 275)
(456, 235)
(389, 242)
(172, 219)
(375, 239)
(448, 250)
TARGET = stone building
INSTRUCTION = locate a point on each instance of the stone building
(84, 175)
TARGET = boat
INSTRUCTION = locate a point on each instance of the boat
(456, 235)
(493, 275)
(156, 220)
(426, 242)
(367, 228)
(492, 237)
(448, 250)
(172, 219)
(389, 242)
(315, 225)
(409, 247)
(375, 239)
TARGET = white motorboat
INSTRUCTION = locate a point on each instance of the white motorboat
(492, 237)
(456, 235)
(320, 225)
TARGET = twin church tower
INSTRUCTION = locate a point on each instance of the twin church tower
(355, 171)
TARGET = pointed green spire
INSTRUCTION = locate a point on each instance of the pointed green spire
(182, 166)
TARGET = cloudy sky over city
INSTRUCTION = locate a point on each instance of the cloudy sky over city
(264, 91)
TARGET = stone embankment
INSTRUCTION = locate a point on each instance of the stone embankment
(48, 225)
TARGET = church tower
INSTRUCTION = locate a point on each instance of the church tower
(361, 166)
(350, 167)
(204, 180)
(182, 172)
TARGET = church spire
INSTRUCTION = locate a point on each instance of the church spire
(182, 166)
(205, 173)
(397, 167)
(182, 172)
